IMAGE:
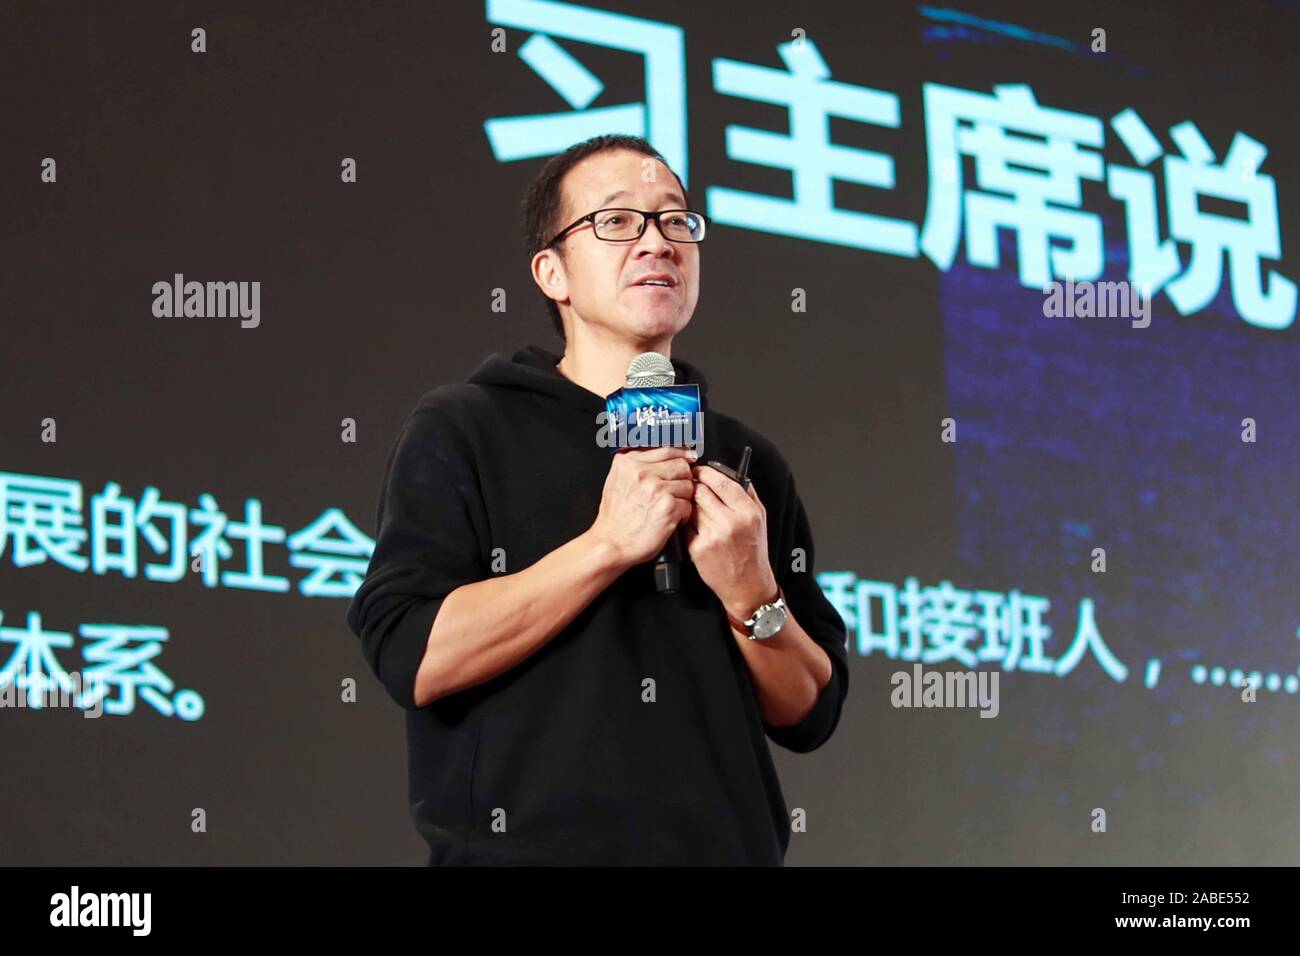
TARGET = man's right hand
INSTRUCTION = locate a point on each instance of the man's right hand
(648, 492)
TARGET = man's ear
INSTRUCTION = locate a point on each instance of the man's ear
(550, 276)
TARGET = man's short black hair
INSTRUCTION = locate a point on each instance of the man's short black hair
(543, 204)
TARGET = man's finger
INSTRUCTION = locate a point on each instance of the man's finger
(682, 488)
(662, 453)
(671, 469)
(706, 499)
(727, 491)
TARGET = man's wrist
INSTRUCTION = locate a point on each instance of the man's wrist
(743, 606)
(608, 556)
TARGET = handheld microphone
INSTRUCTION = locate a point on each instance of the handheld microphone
(652, 370)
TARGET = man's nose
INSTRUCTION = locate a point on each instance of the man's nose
(653, 240)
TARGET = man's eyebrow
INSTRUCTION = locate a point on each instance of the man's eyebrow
(666, 197)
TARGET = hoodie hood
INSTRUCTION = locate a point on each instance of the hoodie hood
(532, 369)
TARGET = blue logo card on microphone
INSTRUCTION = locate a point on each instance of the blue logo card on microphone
(653, 417)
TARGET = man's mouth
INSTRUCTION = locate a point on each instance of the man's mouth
(656, 282)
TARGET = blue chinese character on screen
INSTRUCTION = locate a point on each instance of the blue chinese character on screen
(118, 519)
(336, 551)
(130, 670)
(254, 533)
(811, 97)
(1029, 162)
(660, 118)
(43, 518)
(32, 668)
(1088, 638)
(1245, 241)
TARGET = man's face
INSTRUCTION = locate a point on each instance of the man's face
(598, 279)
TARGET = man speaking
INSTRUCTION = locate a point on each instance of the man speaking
(560, 708)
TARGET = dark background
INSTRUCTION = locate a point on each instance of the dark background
(225, 166)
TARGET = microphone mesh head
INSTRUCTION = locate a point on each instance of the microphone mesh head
(650, 370)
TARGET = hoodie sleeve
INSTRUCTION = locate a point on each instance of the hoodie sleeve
(817, 616)
(426, 546)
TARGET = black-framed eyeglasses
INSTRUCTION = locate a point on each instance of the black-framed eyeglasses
(626, 225)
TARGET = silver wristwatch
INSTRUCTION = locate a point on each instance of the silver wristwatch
(767, 621)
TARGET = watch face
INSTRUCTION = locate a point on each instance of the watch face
(769, 622)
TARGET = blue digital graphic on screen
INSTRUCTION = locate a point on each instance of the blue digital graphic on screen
(43, 521)
(1030, 161)
(660, 117)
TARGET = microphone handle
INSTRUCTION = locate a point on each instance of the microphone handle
(668, 566)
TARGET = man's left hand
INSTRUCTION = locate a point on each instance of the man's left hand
(726, 537)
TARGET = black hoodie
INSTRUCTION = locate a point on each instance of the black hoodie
(564, 759)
